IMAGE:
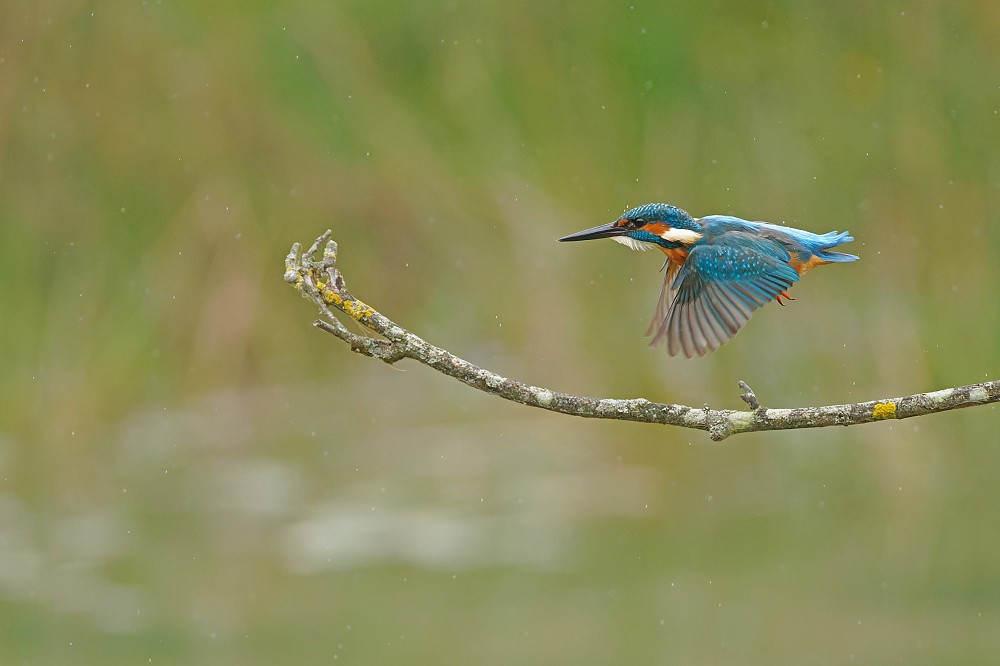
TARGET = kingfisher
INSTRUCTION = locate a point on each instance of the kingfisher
(719, 269)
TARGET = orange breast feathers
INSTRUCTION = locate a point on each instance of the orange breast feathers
(676, 255)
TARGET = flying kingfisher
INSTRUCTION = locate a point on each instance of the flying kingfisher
(719, 269)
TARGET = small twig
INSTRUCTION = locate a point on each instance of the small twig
(749, 396)
(321, 282)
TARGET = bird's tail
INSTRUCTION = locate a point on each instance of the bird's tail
(818, 244)
(837, 256)
(833, 239)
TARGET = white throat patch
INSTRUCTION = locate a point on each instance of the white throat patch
(628, 241)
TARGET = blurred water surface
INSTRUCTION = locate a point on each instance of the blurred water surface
(192, 474)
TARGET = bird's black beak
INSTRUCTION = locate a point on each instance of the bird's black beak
(603, 231)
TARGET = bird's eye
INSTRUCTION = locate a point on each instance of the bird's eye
(638, 222)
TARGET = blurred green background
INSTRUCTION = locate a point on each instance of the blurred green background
(192, 474)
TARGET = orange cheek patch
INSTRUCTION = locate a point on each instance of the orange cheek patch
(657, 228)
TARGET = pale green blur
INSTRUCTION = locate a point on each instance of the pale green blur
(190, 473)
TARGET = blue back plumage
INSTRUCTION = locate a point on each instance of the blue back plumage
(818, 244)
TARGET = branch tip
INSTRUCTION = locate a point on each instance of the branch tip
(319, 241)
(330, 254)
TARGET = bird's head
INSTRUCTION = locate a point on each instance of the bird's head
(652, 225)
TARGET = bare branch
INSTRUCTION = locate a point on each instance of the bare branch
(321, 282)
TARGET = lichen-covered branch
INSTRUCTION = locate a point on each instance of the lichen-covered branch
(321, 282)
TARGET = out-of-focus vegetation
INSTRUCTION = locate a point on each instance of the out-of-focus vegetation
(192, 474)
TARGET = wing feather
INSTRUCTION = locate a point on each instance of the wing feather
(667, 293)
(727, 325)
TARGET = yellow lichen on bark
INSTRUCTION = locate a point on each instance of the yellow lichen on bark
(358, 310)
(884, 410)
(354, 308)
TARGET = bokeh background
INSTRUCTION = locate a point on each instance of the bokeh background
(190, 473)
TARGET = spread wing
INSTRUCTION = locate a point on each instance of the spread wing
(716, 290)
